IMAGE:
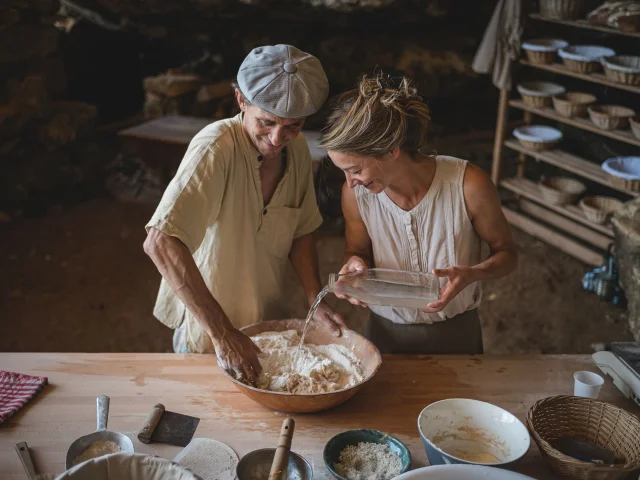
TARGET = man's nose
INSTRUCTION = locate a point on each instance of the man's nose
(277, 137)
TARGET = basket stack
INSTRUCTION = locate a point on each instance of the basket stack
(600, 423)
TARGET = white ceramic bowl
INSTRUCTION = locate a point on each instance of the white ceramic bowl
(540, 89)
(465, 431)
(123, 466)
(544, 44)
(537, 133)
(461, 472)
(585, 53)
(623, 167)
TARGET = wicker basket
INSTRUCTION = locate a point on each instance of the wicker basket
(540, 58)
(633, 185)
(573, 104)
(635, 126)
(562, 9)
(538, 146)
(623, 69)
(623, 172)
(561, 190)
(580, 66)
(610, 117)
(536, 101)
(600, 423)
(598, 209)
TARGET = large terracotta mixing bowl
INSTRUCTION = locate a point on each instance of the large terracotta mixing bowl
(317, 334)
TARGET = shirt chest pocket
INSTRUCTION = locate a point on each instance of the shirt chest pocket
(277, 230)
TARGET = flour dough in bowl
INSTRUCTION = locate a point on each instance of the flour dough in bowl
(319, 368)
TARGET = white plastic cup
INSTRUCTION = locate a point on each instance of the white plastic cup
(587, 384)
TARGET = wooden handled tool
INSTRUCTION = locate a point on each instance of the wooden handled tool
(150, 424)
(281, 458)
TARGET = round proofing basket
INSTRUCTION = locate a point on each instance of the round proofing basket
(610, 117)
(543, 51)
(573, 104)
(622, 69)
(562, 9)
(598, 208)
(540, 58)
(538, 137)
(635, 126)
(624, 172)
(600, 423)
(538, 94)
(561, 190)
(581, 66)
(536, 101)
(584, 58)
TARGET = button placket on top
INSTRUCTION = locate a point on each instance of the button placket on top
(413, 243)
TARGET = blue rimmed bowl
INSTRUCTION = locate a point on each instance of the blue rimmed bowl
(334, 447)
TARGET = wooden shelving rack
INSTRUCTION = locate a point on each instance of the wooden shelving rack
(563, 226)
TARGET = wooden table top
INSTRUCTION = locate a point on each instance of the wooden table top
(171, 128)
(193, 385)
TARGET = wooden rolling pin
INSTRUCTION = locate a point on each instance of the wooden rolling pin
(281, 458)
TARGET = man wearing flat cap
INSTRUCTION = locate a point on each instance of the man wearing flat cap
(241, 206)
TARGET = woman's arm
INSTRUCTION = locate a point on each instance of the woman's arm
(485, 212)
(358, 254)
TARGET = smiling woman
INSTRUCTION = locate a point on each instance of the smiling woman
(409, 209)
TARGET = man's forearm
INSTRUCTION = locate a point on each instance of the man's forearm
(304, 259)
(176, 265)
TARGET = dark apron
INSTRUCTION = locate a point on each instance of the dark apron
(461, 335)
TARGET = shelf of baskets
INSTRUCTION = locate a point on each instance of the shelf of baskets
(584, 123)
(589, 77)
(585, 24)
(571, 163)
(578, 230)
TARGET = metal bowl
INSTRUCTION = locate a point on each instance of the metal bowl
(256, 465)
(317, 334)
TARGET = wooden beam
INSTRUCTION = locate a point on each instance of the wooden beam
(503, 107)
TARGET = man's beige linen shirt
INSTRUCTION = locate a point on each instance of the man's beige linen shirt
(214, 206)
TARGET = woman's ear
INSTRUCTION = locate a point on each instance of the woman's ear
(395, 153)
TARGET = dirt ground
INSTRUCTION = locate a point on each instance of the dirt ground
(78, 280)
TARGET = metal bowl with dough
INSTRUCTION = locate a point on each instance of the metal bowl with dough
(317, 334)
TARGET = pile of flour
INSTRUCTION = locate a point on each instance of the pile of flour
(368, 461)
(320, 368)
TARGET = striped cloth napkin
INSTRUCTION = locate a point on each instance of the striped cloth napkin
(16, 389)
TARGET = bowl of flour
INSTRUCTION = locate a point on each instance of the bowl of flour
(327, 372)
(365, 454)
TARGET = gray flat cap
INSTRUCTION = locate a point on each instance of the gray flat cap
(283, 81)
